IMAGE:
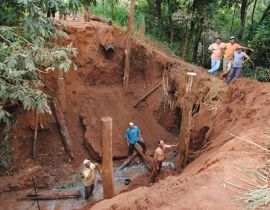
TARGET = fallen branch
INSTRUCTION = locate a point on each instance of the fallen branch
(100, 19)
(146, 159)
(129, 160)
(250, 142)
(147, 94)
(51, 195)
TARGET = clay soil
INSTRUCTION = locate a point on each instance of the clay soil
(95, 90)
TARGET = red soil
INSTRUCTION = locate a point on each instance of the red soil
(95, 91)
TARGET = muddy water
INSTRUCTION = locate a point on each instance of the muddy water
(10, 201)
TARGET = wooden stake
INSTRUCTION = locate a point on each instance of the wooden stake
(184, 137)
(107, 163)
(61, 95)
(35, 135)
(128, 45)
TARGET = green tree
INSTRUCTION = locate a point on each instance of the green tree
(26, 52)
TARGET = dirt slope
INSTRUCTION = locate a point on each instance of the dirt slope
(202, 184)
(92, 92)
(95, 91)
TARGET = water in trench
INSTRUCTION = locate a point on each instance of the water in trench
(11, 201)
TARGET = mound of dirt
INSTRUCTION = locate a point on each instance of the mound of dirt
(202, 185)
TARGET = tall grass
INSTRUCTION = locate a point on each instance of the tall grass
(118, 14)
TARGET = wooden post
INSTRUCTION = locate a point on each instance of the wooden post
(107, 163)
(184, 137)
(61, 95)
(35, 135)
(63, 129)
(128, 44)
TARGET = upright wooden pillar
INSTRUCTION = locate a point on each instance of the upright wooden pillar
(186, 108)
(107, 163)
(61, 95)
(35, 135)
(128, 44)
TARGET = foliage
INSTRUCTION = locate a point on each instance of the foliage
(28, 49)
(119, 16)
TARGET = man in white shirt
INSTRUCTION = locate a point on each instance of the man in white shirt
(159, 157)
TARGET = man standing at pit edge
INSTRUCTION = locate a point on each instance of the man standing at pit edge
(230, 48)
(239, 58)
(133, 136)
(217, 50)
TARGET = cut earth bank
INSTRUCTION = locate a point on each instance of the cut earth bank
(95, 91)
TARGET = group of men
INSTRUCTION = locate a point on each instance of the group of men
(133, 136)
(233, 58)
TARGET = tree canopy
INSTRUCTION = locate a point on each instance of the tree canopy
(28, 49)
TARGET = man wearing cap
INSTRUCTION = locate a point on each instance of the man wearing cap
(89, 177)
(239, 58)
(159, 157)
(216, 50)
(133, 136)
(230, 48)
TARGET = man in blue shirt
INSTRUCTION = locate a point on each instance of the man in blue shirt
(133, 136)
(239, 58)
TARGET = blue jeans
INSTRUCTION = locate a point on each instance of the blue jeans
(233, 74)
(214, 66)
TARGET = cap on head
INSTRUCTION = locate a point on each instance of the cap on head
(131, 124)
(86, 162)
(232, 37)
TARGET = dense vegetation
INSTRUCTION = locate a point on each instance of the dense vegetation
(189, 27)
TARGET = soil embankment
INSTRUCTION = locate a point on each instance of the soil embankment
(95, 90)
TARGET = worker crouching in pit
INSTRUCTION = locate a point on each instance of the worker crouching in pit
(89, 177)
(133, 136)
(159, 157)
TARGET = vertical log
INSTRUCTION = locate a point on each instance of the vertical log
(107, 163)
(35, 135)
(61, 96)
(128, 44)
(184, 137)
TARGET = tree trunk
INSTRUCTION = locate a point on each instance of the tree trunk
(197, 39)
(146, 159)
(158, 11)
(243, 17)
(265, 14)
(233, 20)
(185, 45)
(251, 29)
(61, 95)
(128, 44)
(184, 137)
(63, 129)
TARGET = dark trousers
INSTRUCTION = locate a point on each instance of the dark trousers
(88, 191)
(156, 170)
(131, 147)
(235, 72)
